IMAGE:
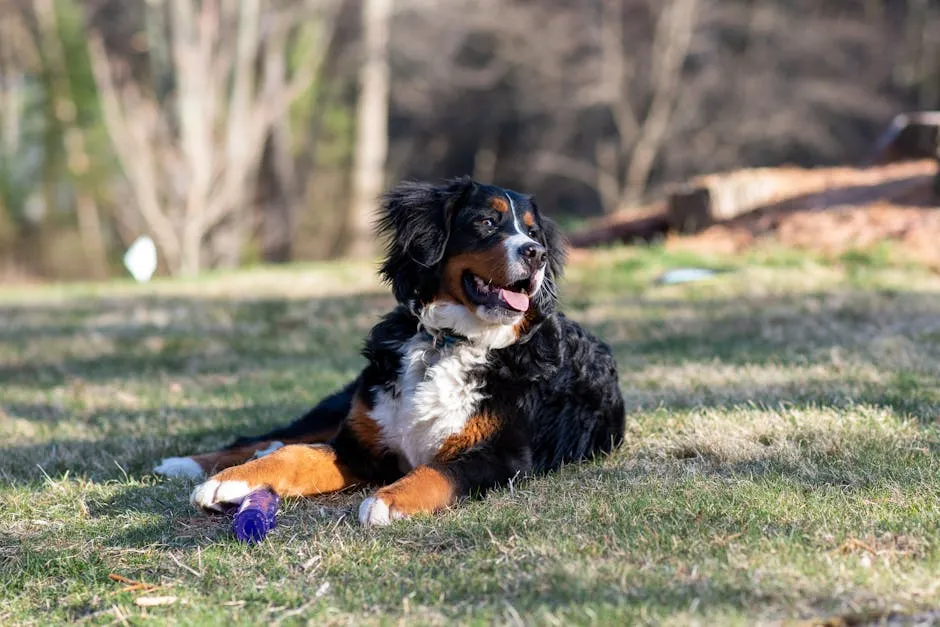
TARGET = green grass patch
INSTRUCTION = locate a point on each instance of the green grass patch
(781, 460)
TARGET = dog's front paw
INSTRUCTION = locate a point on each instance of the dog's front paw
(220, 495)
(376, 512)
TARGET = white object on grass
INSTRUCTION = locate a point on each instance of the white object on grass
(185, 467)
(141, 259)
(685, 275)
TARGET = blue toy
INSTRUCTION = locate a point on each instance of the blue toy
(256, 516)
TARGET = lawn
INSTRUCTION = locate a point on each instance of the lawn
(781, 458)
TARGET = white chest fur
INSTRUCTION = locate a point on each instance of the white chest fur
(436, 393)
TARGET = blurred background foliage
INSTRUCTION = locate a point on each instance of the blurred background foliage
(239, 132)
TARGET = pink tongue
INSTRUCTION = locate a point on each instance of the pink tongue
(516, 300)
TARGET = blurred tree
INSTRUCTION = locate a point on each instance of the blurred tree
(191, 156)
(621, 163)
(51, 168)
(16, 54)
(920, 68)
(69, 100)
(265, 129)
(371, 125)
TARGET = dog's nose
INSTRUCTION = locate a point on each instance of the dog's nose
(534, 255)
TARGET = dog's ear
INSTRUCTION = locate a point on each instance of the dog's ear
(415, 220)
(557, 246)
(551, 237)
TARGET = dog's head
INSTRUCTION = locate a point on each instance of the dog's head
(474, 259)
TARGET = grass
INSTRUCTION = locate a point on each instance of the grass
(781, 460)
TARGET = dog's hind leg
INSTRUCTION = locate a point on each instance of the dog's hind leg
(318, 425)
(294, 470)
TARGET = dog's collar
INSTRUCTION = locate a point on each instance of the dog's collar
(442, 338)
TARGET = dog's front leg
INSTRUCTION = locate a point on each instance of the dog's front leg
(453, 475)
(294, 470)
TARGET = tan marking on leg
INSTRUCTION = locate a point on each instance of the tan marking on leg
(220, 460)
(366, 430)
(424, 489)
(295, 470)
(477, 429)
(499, 203)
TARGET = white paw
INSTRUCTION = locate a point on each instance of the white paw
(375, 512)
(219, 496)
(185, 467)
(273, 446)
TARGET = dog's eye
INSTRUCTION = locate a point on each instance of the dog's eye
(533, 232)
(487, 223)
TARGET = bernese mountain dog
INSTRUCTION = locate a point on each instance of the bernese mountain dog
(472, 380)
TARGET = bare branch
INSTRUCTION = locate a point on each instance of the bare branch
(605, 182)
(673, 39)
(371, 124)
(133, 149)
(616, 71)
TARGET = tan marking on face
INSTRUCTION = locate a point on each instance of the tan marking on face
(478, 429)
(424, 489)
(528, 218)
(366, 430)
(488, 264)
(295, 470)
(499, 203)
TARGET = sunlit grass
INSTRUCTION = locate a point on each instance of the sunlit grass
(780, 462)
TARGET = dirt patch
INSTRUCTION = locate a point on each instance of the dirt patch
(860, 208)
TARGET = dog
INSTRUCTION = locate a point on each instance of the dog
(472, 380)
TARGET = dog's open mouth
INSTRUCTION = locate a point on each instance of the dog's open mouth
(514, 297)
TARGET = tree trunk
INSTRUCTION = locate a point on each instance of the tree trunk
(277, 188)
(77, 160)
(89, 226)
(189, 262)
(224, 242)
(275, 201)
(674, 35)
(371, 126)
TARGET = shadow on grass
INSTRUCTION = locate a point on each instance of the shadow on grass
(129, 339)
(895, 396)
(784, 330)
(188, 337)
(860, 466)
(563, 591)
(123, 450)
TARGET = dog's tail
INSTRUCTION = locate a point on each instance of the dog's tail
(317, 425)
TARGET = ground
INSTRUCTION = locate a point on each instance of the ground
(780, 460)
(824, 211)
(832, 211)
